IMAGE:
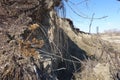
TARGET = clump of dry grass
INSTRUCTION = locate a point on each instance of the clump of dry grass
(105, 68)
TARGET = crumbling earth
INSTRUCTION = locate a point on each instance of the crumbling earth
(36, 44)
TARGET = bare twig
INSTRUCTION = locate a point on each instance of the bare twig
(91, 22)
(58, 56)
(59, 69)
(84, 1)
(78, 2)
(77, 59)
(85, 17)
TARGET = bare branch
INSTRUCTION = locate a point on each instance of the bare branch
(85, 1)
(85, 17)
(91, 22)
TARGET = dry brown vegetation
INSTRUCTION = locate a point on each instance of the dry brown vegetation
(35, 44)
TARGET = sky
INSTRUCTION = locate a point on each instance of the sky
(110, 8)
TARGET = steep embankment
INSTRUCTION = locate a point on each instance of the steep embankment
(33, 45)
(36, 44)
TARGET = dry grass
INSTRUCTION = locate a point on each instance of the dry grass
(39, 52)
(106, 67)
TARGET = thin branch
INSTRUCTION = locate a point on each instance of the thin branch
(51, 54)
(85, 17)
(78, 2)
(77, 59)
(59, 69)
(82, 2)
(91, 22)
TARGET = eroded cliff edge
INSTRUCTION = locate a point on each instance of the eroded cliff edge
(33, 45)
(36, 44)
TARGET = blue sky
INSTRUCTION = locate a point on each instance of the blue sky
(110, 8)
